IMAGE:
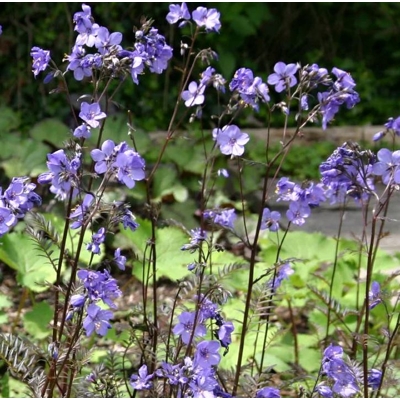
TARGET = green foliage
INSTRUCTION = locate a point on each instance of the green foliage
(36, 321)
(19, 252)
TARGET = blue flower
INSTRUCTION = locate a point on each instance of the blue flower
(177, 13)
(97, 239)
(270, 220)
(268, 393)
(186, 326)
(119, 260)
(207, 354)
(374, 296)
(91, 114)
(143, 380)
(97, 320)
(207, 18)
(231, 140)
(194, 95)
(41, 59)
(283, 77)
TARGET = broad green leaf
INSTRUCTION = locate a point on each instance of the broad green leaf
(3, 317)
(9, 121)
(19, 252)
(36, 322)
(166, 182)
(51, 130)
(28, 158)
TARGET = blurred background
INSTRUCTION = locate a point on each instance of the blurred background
(361, 38)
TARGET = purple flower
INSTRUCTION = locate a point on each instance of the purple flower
(174, 373)
(344, 80)
(104, 41)
(7, 220)
(143, 380)
(194, 95)
(119, 260)
(374, 378)
(231, 140)
(208, 18)
(129, 221)
(63, 174)
(374, 295)
(207, 354)
(100, 286)
(388, 166)
(41, 59)
(186, 326)
(197, 236)
(130, 168)
(324, 391)
(270, 220)
(82, 131)
(91, 114)
(83, 19)
(283, 78)
(97, 239)
(268, 393)
(105, 157)
(285, 270)
(298, 212)
(97, 320)
(207, 308)
(223, 333)
(78, 301)
(81, 211)
(225, 218)
(177, 12)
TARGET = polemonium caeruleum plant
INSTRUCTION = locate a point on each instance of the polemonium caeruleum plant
(183, 356)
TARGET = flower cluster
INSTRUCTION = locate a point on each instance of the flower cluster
(301, 199)
(16, 201)
(63, 174)
(203, 17)
(195, 377)
(344, 378)
(120, 161)
(348, 171)
(341, 92)
(150, 50)
(198, 235)
(392, 126)
(98, 286)
(250, 90)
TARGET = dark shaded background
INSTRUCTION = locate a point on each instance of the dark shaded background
(361, 38)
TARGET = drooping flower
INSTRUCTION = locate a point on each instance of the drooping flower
(374, 295)
(224, 332)
(7, 220)
(225, 218)
(284, 271)
(79, 214)
(97, 239)
(207, 18)
(177, 12)
(97, 320)
(374, 378)
(283, 78)
(119, 259)
(91, 114)
(82, 131)
(41, 60)
(231, 140)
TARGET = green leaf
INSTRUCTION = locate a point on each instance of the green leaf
(51, 130)
(36, 322)
(5, 385)
(166, 182)
(28, 158)
(19, 252)
(4, 301)
(9, 120)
